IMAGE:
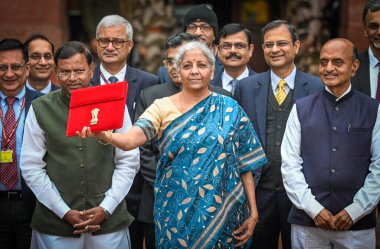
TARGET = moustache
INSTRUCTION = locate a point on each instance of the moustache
(330, 74)
(109, 53)
(233, 55)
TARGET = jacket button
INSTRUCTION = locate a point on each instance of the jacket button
(334, 149)
(334, 128)
(84, 199)
(81, 165)
(332, 170)
(80, 148)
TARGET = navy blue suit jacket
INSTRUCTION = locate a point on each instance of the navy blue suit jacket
(28, 196)
(137, 80)
(54, 87)
(361, 80)
(217, 80)
(252, 95)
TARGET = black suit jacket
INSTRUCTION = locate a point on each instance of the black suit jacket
(137, 80)
(217, 81)
(149, 153)
(252, 94)
(361, 80)
(28, 196)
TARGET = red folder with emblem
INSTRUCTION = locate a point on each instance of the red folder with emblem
(99, 107)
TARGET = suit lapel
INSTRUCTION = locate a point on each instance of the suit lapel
(95, 80)
(301, 88)
(261, 95)
(364, 76)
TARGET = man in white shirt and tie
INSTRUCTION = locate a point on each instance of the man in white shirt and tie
(234, 51)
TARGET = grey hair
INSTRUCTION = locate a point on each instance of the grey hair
(192, 46)
(114, 20)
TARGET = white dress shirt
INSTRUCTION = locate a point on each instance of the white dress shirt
(226, 79)
(120, 75)
(373, 72)
(297, 188)
(46, 90)
(289, 81)
(33, 169)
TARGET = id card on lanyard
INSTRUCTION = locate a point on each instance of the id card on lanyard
(6, 155)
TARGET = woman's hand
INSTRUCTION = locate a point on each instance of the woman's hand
(86, 132)
(245, 231)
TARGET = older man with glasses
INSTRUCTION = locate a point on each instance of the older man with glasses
(41, 63)
(267, 98)
(16, 199)
(114, 36)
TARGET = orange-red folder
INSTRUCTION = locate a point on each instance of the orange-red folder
(99, 107)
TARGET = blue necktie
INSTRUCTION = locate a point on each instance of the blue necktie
(113, 79)
(233, 84)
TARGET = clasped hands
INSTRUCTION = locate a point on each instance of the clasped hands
(85, 221)
(340, 222)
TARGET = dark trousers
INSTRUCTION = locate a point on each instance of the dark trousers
(273, 207)
(140, 231)
(15, 231)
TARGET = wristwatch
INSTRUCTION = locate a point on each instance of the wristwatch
(107, 214)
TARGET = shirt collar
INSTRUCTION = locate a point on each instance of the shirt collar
(46, 90)
(289, 79)
(227, 78)
(120, 75)
(373, 61)
(345, 93)
(19, 96)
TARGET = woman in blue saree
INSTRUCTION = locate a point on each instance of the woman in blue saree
(204, 192)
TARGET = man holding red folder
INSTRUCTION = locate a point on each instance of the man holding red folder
(80, 185)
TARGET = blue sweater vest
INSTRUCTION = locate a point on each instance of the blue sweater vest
(336, 140)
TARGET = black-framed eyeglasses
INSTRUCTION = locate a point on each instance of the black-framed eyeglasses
(169, 62)
(203, 27)
(65, 74)
(237, 45)
(280, 44)
(14, 67)
(116, 43)
(37, 56)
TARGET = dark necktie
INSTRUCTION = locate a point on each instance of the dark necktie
(112, 79)
(9, 170)
(233, 84)
(378, 85)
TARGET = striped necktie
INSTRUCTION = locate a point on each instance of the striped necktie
(8, 173)
(280, 92)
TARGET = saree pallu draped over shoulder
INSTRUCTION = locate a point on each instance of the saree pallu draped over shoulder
(199, 197)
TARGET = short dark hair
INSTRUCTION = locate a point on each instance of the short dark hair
(38, 37)
(372, 5)
(72, 48)
(178, 39)
(233, 28)
(13, 44)
(277, 23)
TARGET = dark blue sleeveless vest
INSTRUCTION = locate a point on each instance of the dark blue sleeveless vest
(335, 147)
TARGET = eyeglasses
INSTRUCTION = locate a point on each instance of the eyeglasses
(169, 62)
(14, 67)
(237, 45)
(67, 73)
(280, 44)
(116, 43)
(37, 56)
(192, 28)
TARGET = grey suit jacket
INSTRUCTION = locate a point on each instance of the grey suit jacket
(252, 94)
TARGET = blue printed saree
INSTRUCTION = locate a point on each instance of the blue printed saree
(199, 197)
